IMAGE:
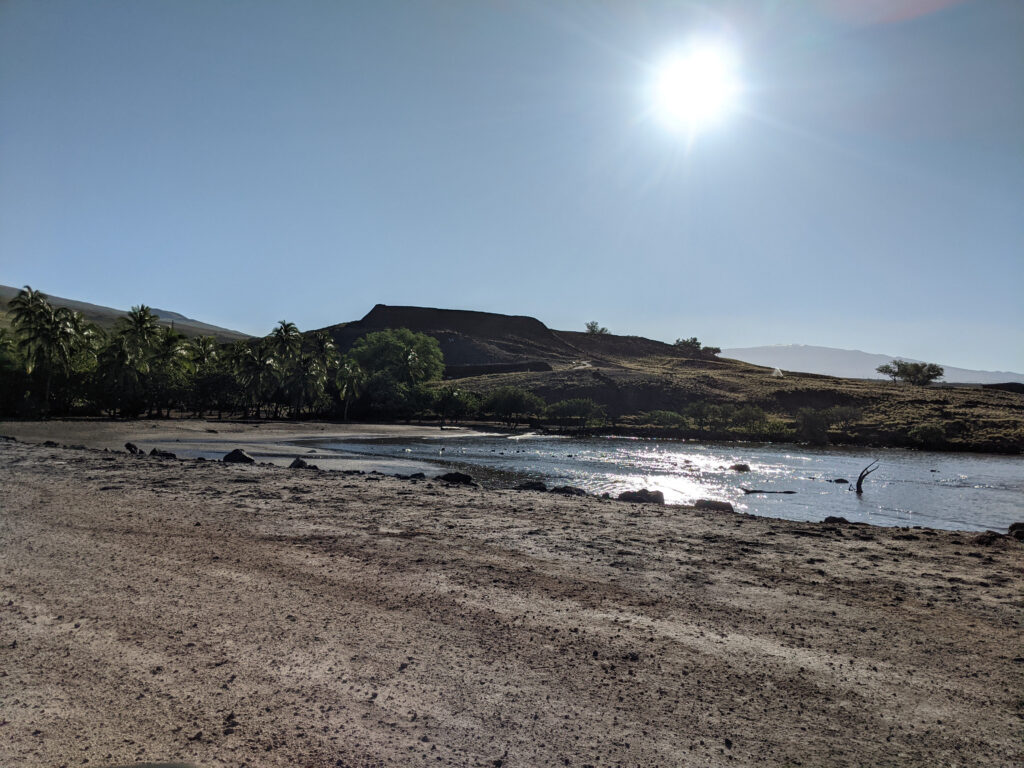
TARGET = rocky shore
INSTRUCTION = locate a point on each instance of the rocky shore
(156, 609)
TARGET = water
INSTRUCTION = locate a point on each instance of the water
(935, 490)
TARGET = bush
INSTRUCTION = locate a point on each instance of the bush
(666, 419)
(512, 404)
(812, 425)
(579, 409)
(927, 435)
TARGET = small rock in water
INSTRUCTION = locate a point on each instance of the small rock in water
(643, 496)
(532, 485)
(569, 490)
(157, 453)
(456, 478)
(832, 520)
(238, 456)
(713, 505)
(740, 467)
(841, 480)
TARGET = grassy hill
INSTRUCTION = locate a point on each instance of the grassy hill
(631, 375)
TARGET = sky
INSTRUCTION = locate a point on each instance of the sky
(247, 162)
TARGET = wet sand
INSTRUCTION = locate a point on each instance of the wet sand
(228, 615)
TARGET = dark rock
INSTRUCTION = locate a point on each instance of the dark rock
(417, 476)
(740, 467)
(569, 490)
(987, 538)
(51, 444)
(643, 496)
(238, 456)
(841, 481)
(712, 505)
(300, 463)
(832, 520)
(158, 454)
(456, 478)
(1017, 531)
(532, 485)
(133, 449)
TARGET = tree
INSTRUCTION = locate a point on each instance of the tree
(594, 328)
(692, 346)
(578, 409)
(452, 403)
(920, 374)
(888, 369)
(812, 425)
(512, 404)
(350, 380)
(406, 356)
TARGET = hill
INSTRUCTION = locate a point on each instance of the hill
(852, 363)
(630, 375)
(106, 317)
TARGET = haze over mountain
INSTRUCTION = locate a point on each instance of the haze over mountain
(105, 317)
(851, 363)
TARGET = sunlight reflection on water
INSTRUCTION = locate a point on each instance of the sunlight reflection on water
(958, 491)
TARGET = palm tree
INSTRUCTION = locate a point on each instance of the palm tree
(140, 326)
(350, 380)
(169, 362)
(49, 337)
(258, 372)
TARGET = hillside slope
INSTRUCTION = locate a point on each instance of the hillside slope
(630, 374)
(106, 317)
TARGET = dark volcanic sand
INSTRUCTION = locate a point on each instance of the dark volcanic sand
(239, 615)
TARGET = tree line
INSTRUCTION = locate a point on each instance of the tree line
(53, 362)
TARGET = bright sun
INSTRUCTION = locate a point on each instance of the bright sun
(697, 86)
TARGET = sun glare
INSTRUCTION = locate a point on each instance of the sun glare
(697, 86)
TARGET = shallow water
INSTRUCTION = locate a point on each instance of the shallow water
(936, 490)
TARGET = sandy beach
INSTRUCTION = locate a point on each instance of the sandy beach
(228, 615)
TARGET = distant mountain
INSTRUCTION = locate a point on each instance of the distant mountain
(105, 317)
(851, 363)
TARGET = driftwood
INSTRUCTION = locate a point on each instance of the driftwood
(758, 490)
(864, 473)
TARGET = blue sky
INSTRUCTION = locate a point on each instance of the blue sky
(244, 162)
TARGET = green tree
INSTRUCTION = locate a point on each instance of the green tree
(813, 425)
(692, 346)
(512, 404)
(888, 369)
(594, 328)
(350, 380)
(578, 411)
(920, 374)
(405, 356)
(451, 403)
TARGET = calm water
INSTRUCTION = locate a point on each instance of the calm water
(937, 490)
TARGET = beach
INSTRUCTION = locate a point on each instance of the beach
(226, 615)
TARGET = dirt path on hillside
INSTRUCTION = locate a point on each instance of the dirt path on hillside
(230, 615)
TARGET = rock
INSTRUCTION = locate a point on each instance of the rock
(238, 456)
(740, 467)
(532, 485)
(987, 538)
(841, 481)
(1017, 531)
(712, 505)
(832, 520)
(51, 444)
(569, 490)
(300, 463)
(133, 449)
(456, 478)
(158, 454)
(643, 496)
(417, 476)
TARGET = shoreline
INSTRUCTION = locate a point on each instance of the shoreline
(218, 614)
(278, 443)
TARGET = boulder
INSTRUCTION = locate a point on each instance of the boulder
(569, 490)
(532, 485)
(832, 520)
(158, 454)
(456, 478)
(740, 467)
(841, 481)
(417, 476)
(133, 449)
(987, 539)
(643, 496)
(713, 506)
(1017, 531)
(300, 463)
(238, 456)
